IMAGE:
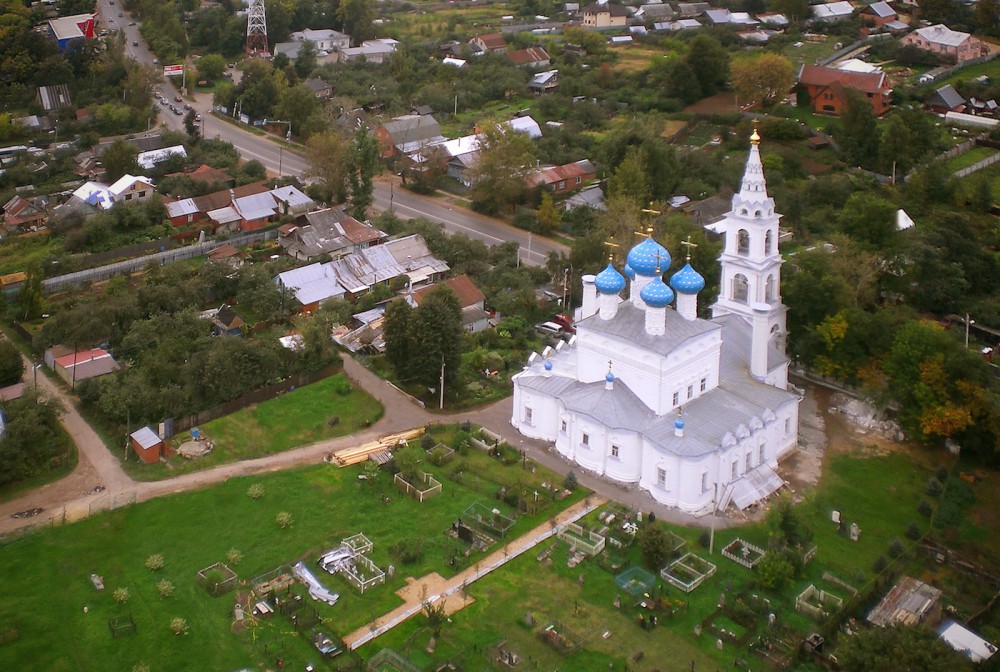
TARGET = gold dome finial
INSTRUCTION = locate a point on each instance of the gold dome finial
(755, 137)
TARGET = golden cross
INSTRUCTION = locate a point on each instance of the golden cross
(688, 244)
(658, 257)
(611, 251)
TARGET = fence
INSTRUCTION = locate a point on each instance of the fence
(840, 53)
(979, 165)
(50, 285)
(687, 572)
(588, 542)
(110, 501)
(432, 487)
(934, 75)
(254, 397)
(817, 604)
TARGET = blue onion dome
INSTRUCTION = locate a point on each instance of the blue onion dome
(687, 280)
(609, 281)
(657, 294)
(610, 377)
(645, 257)
(548, 364)
(629, 273)
(678, 424)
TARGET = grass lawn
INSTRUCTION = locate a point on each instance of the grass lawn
(973, 156)
(297, 418)
(42, 616)
(19, 252)
(809, 52)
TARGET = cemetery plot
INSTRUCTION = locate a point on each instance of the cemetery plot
(487, 520)
(687, 572)
(121, 626)
(426, 486)
(217, 579)
(744, 553)
(817, 604)
(350, 561)
(584, 541)
(635, 581)
(559, 638)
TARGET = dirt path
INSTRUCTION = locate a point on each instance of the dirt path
(433, 587)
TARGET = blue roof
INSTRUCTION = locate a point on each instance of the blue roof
(629, 272)
(657, 294)
(609, 281)
(647, 256)
(548, 364)
(687, 280)
(610, 377)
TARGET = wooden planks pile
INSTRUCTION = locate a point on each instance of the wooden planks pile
(356, 454)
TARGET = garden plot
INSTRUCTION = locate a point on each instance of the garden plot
(687, 572)
(744, 553)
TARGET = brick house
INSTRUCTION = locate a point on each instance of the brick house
(532, 57)
(566, 178)
(604, 15)
(943, 41)
(23, 213)
(876, 15)
(826, 89)
(493, 43)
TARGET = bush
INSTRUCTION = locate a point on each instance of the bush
(427, 442)
(255, 491)
(120, 595)
(924, 508)
(913, 531)
(165, 587)
(896, 548)
(933, 488)
(178, 626)
(407, 551)
(283, 519)
(154, 563)
(570, 481)
(942, 473)
(705, 539)
(880, 564)
(234, 556)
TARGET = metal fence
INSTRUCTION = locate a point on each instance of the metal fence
(131, 265)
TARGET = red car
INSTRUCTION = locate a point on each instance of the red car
(565, 322)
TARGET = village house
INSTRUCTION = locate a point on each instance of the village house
(825, 89)
(325, 39)
(656, 12)
(75, 366)
(943, 41)
(832, 11)
(408, 134)
(470, 298)
(320, 88)
(205, 174)
(566, 178)
(225, 321)
(493, 43)
(945, 100)
(21, 214)
(877, 15)
(130, 188)
(604, 15)
(544, 82)
(910, 602)
(148, 160)
(227, 254)
(330, 231)
(370, 51)
(532, 57)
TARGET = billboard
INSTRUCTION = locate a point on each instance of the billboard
(173, 70)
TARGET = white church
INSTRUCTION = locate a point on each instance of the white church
(696, 412)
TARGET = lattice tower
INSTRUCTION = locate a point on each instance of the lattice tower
(257, 30)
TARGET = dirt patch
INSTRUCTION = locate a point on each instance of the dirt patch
(672, 127)
(430, 586)
(804, 466)
(718, 104)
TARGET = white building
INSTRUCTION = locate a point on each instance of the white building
(694, 411)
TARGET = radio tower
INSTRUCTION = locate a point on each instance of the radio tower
(257, 31)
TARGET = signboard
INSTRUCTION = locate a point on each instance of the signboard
(245, 118)
(173, 70)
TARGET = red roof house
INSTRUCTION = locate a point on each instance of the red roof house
(566, 178)
(826, 89)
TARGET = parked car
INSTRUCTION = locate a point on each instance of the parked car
(121, 14)
(550, 329)
(178, 99)
(135, 43)
(178, 112)
(566, 322)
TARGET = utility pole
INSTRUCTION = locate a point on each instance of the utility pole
(968, 323)
(565, 287)
(441, 404)
(715, 509)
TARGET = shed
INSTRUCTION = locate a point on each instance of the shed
(147, 445)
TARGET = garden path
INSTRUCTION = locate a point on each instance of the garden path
(451, 590)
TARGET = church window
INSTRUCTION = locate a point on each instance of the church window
(749, 463)
(562, 428)
(760, 454)
(768, 243)
(677, 398)
(690, 391)
(788, 425)
(614, 451)
(527, 416)
(704, 384)
(585, 439)
(741, 288)
(769, 289)
(704, 481)
(742, 242)
(756, 213)
(661, 477)
(734, 470)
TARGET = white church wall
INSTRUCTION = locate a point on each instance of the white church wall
(535, 415)
(626, 466)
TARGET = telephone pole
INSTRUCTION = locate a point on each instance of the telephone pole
(441, 403)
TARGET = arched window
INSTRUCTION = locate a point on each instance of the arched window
(742, 242)
(769, 289)
(741, 288)
(768, 243)
(756, 213)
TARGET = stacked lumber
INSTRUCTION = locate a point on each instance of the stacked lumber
(356, 454)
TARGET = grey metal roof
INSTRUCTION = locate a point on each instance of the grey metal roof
(630, 325)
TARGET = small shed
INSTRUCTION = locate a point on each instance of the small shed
(148, 446)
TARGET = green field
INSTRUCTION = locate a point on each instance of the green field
(19, 252)
(296, 418)
(971, 157)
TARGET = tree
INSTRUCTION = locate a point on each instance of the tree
(191, 126)
(119, 159)
(900, 648)
(297, 105)
(506, 158)
(592, 41)
(987, 15)
(654, 543)
(397, 332)
(869, 219)
(437, 337)
(859, 136)
(763, 78)
(327, 154)
(211, 67)
(709, 62)
(31, 297)
(11, 364)
(629, 179)
(362, 167)
(794, 10)
(548, 215)
(305, 61)
(675, 79)
(355, 18)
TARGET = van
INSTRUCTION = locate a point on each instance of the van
(549, 329)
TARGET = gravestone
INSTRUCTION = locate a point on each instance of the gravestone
(618, 602)
(529, 620)
(835, 517)
(771, 618)
(718, 644)
(697, 630)
(855, 531)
